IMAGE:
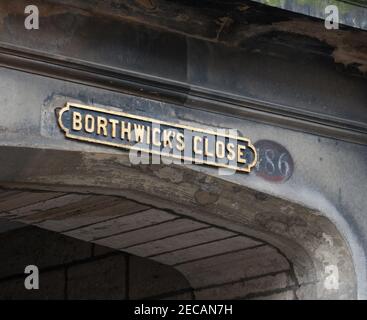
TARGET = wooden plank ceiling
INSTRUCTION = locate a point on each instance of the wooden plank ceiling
(210, 256)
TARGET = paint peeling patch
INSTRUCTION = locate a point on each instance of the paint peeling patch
(350, 48)
(347, 47)
(168, 173)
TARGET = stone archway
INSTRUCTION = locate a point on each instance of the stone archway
(218, 262)
(227, 240)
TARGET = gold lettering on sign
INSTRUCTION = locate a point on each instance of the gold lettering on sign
(77, 121)
(219, 148)
(120, 129)
(231, 154)
(89, 123)
(197, 139)
(114, 123)
(139, 132)
(180, 142)
(240, 154)
(156, 140)
(125, 130)
(206, 148)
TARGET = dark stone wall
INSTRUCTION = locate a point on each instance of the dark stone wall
(74, 269)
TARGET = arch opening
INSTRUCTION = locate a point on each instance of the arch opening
(227, 240)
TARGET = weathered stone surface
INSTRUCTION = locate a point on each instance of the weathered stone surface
(5, 193)
(122, 224)
(306, 292)
(180, 241)
(206, 250)
(93, 215)
(233, 266)
(99, 279)
(23, 199)
(59, 201)
(242, 289)
(169, 228)
(284, 295)
(77, 205)
(177, 241)
(322, 179)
